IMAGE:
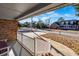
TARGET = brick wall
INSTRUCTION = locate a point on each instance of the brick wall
(8, 29)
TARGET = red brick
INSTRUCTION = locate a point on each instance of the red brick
(8, 29)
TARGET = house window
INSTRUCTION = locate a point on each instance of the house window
(74, 23)
(66, 22)
(71, 22)
(62, 23)
(78, 22)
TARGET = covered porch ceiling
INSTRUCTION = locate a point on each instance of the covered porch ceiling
(17, 10)
(23, 10)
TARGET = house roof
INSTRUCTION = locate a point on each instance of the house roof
(69, 20)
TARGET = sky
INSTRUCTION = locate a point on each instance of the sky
(67, 12)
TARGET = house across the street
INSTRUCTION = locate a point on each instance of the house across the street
(66, 25)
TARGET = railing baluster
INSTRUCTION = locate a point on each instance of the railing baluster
(34, 46)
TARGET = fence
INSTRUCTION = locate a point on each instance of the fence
(35, 46)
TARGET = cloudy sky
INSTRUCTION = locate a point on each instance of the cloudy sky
(68, 13)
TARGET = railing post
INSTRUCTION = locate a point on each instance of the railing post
(49, 46)
(22, 43)
(34, 46)
(21, 37)
(8, 51)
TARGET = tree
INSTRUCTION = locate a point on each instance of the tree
(33, 24)
(40, 24)
(60, 19)
(77, 10)
(26, 24)
(22, 25)
(48, 22)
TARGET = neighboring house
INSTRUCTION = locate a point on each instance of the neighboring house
(66, 24)
(55, 25)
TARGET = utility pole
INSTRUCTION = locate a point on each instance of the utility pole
(31, 23)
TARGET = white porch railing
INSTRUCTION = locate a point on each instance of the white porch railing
(35, 46)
